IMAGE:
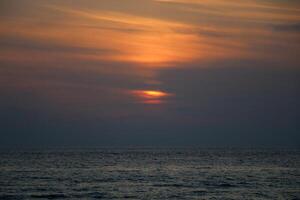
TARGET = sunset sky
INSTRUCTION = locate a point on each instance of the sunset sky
(205, 73)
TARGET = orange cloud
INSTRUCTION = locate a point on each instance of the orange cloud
(144, 41)
(149, 41)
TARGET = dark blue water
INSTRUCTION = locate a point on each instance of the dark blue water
(150, 174)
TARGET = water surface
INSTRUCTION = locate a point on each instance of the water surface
(150, 174)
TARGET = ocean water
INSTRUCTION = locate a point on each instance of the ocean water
(150, 174)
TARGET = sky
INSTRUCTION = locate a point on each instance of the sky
(191, 73)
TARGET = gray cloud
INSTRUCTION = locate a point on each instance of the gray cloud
(292, 27)
(235, 103)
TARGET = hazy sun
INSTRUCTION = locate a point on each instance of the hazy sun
(150, 96)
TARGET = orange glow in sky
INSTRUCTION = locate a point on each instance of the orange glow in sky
(140, 41)
(171, 37)
(151, 96)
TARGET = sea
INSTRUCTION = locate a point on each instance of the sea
(150, 173)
